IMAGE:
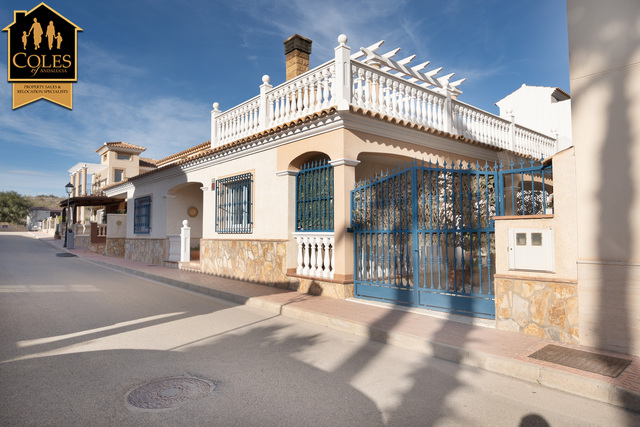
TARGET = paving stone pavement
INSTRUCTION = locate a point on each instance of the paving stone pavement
(473, 344)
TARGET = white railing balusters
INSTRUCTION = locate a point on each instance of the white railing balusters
(316, 257)
(379, 91)
(306, 242)
(174, 247)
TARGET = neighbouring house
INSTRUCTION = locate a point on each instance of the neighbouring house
(367, 177)
(88, 205)
(38, 214)
(546, 109)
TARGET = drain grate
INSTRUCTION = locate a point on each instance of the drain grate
(583, 360)
(65, 255)
(169, 392)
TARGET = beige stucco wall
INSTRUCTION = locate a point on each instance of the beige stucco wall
(374, 154)
(540, 303)
(563, 223)
(604, 47)
(178, 202)
(116, 226)
(273, 170)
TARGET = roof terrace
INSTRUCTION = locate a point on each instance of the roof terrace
(380, 84)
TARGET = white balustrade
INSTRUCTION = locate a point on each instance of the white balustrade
(102, 230)
(316, 256)
(375, 89)
(238, 122)
(174, 247)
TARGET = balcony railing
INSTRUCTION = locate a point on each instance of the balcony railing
(380, 85)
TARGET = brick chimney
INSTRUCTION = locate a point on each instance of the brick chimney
(297, 50)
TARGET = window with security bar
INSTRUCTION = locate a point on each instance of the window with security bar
(142, 215)
(314, 197)
(233, 204)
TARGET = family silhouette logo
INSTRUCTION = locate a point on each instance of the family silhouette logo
(42, 56)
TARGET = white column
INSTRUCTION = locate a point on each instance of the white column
(214, 124)
(342, 82)
(84, 180)
(264, 119)
(448, 112)
(512, 131)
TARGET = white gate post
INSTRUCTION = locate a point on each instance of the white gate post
(185, 242)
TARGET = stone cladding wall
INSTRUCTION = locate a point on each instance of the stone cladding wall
(150, 251)
(543, 309)
(262, 261)
(326, 289)
(251, 260)
(115, 247)
(82, 240)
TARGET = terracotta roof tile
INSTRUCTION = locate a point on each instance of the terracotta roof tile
(148, 163)
(203, 150)
(184, 153)
(121, 144)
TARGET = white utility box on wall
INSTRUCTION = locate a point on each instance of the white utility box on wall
(532, 249)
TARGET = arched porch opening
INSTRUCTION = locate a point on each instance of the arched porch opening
(184, 201)
(372, 164)
(306, 158)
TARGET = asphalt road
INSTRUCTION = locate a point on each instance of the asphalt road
(76, 338)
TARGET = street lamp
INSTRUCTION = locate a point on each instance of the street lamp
(68, 188)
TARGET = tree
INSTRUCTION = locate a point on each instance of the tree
(13, 207)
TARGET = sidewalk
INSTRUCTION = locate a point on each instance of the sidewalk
(472, 345)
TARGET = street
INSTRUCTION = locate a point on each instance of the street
(77, 339)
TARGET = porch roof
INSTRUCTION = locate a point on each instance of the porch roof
(91, 201)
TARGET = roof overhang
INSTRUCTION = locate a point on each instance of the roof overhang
(92, 201)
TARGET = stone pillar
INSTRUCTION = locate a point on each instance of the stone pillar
(297, 50)
(344, 179)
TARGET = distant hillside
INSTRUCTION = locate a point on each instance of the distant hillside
(49, 201)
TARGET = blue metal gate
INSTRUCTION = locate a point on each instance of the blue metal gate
(424, 236)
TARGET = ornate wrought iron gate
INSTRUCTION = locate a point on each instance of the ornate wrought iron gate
(424, 236)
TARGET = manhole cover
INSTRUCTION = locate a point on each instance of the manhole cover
(169, 392)
(65, 255)
(583, 360)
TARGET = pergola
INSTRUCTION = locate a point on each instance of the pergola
(79, 201)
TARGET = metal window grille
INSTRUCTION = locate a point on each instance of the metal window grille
(233, 204)
(142, 215)
(526, 190)
(314, 197)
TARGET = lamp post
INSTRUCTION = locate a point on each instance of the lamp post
(68, 188)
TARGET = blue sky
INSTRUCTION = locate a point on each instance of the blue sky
(149, 70)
